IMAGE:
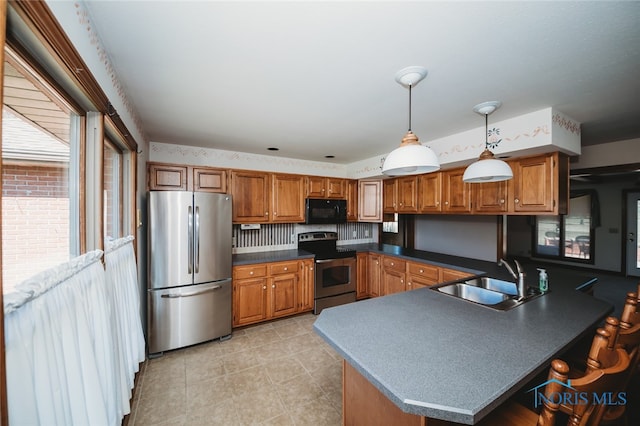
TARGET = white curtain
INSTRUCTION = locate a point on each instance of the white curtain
(64, 353)
(129, 344)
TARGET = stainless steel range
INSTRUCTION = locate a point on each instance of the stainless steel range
(335, 269)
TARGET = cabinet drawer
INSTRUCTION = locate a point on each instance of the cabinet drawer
(425, 271)
(395, 264)
(284, 268)
(252, 271)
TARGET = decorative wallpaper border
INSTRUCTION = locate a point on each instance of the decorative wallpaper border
(94, 39)
(221, 158)
(567, 124)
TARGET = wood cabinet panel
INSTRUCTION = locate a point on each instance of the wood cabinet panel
(533, 184)
(407, 194)
(430, 193)
(307, 280)
(452, 274)
(250, 191)
(352, 200)
(362, 290)
(456, 193)
(336, 188)
(287, 201)
(491, 197)
(166, 177)
(370, 201)
(389, 195)
(206, 179)
(374, 274)
(393, 275)
(283, 296)
(316, 187)
(249, 300)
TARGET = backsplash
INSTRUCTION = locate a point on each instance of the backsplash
(284, 236)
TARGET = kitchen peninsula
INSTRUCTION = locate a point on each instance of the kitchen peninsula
(434, 356)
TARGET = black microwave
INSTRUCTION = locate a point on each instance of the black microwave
(320, 210)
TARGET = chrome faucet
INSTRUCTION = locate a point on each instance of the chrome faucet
(519, 277)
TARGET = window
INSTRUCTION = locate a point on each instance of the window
(112, 191)
(571, 236)
(38, 151)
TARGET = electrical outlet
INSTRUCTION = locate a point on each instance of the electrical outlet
(366, 232)
(233, 241)
(355, 234)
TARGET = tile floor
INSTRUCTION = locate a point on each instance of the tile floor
(278, 373)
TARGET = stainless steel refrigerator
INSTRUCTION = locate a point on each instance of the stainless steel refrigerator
(189, 291)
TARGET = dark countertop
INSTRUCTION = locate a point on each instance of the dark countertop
(438, 356)
(270, 256)
(558, 275)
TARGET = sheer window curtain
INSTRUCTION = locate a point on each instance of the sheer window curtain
(73, 344)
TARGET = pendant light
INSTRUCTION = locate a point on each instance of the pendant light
(411, 158)
(487, 168)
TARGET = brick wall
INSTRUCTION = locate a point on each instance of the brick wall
(35, 220)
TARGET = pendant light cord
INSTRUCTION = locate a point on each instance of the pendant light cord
(409, 107)
(486, 131)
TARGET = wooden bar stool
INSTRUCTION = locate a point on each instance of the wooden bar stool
(581, 411)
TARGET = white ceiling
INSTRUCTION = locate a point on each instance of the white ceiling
(317, 78)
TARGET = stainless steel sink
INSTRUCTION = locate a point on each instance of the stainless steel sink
(474, 294)
(486, 291)
(506, 287)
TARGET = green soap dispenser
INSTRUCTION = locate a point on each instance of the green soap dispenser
(543, 281)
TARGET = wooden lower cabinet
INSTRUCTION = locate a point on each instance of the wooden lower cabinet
(249, 294)
(420, 275)
(452, 275)
(374, 274)
(362, 290)
(263, 291)
(307, 281)
(393, 275)
(283, 279)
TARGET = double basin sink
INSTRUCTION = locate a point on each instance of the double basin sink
(490, 292)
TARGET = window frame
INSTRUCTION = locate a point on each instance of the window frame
(561, 229)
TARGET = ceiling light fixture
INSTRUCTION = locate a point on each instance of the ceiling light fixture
(411, 158)
(487, 168)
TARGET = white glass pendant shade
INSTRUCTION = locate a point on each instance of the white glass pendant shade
(411, 158)
(487, 169)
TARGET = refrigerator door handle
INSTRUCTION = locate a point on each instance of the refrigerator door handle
(197, 236)
(195, 293)
(190, 241)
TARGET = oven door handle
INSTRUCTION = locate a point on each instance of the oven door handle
(325, 260)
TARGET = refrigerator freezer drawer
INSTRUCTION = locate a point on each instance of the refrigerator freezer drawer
(183, 316)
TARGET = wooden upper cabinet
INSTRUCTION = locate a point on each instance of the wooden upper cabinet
(491, 197)
(541, 184)
(456, 193)
(326, 187)
(430, 192)
(206, 179)
(407, 194)
(336, 188)
(316, 187)
(287, 193)
(370, 201)
(166, 177)
(250, 191)
(389, 195)
(352, 200)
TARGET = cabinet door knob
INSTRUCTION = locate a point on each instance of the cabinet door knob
(502, 201)
(275, 214)
(251, 273)
(273, 286)
(266, 213)
(421, 271)
(516, 200)
(264, 287)
(286, 269)
(446, 203)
